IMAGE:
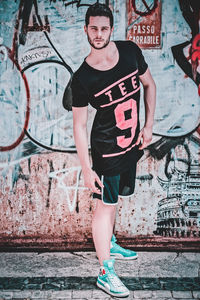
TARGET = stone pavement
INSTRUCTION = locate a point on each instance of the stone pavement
(64, 275)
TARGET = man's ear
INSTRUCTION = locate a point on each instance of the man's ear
(85, 28)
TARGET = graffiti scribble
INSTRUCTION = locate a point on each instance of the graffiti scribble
(19, 37)
(37, 27)
(148, 9)
(79, 4)
(3, 53)
(191, 13)
(60, 176)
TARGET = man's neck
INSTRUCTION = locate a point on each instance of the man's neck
(103, 59)
(101, 53)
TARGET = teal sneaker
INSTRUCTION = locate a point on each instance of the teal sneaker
(110, 282)
(118, 252)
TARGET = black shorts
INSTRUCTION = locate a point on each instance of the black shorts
(122, 185)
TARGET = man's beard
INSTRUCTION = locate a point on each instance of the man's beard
(98, 48)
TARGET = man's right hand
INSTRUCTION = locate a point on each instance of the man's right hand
(90, 180)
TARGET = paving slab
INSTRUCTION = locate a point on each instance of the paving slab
(72, 275)
(148, 264)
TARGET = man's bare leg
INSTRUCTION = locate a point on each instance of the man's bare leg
(102, 229)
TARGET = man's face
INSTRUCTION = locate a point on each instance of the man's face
(98, 32)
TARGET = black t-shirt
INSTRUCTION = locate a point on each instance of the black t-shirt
(115, 94)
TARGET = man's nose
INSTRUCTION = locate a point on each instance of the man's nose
(99, 33)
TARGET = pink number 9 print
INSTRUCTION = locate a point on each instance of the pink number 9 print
(123, 123)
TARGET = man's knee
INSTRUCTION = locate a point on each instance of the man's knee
(106, 207)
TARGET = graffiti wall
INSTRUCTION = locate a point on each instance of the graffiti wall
(43, 200)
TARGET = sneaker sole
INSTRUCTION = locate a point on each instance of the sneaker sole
(121, 257)
(124, 295)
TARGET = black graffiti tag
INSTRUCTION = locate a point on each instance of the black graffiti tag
(148, 9)
(78, 3)
(191, 12)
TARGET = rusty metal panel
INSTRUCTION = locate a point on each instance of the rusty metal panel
(43, 201)
(144, 23)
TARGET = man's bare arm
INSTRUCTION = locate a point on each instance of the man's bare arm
(145, 135)
(80, 115)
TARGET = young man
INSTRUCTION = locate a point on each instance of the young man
(109, 79)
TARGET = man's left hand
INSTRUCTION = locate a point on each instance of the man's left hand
(144, 137)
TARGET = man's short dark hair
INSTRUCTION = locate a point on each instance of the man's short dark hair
(99, 9)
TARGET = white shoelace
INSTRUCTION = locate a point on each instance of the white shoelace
(115, 280)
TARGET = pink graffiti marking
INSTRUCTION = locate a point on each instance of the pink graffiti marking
(27, 116)
(12, 54)
(195, 57)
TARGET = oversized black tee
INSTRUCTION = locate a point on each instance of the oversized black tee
(115, 94)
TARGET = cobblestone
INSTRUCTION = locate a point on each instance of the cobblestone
(18, 294)
(6, 294)
(79, 294)
(96, 294)
(89, 283)
(196, 294)
(180, 294)
(142, 294)
(161, 294)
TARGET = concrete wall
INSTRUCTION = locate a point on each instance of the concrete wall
(43, 202)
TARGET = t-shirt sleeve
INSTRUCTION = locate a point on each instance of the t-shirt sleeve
(140, 60)
(79, 94)
(142, 65)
